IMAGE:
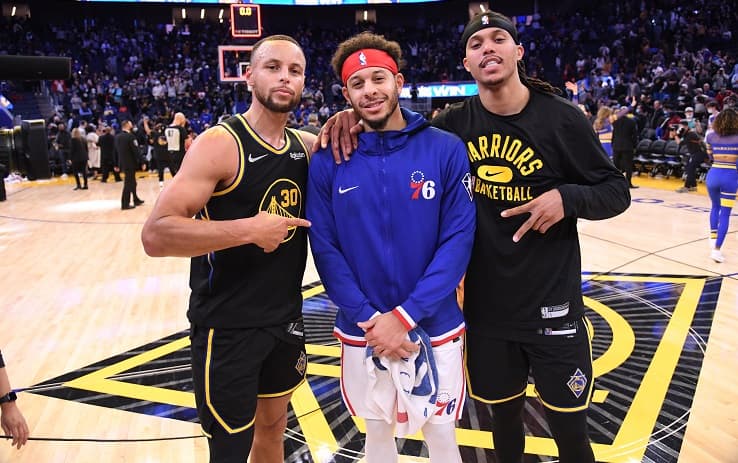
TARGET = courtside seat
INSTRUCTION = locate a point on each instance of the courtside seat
(642, 155)
(673, 166)
(648, 133)
(657, 158)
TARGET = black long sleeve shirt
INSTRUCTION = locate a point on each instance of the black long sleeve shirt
(514, 289)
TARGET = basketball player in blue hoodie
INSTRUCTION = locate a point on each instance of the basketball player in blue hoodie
(391, 236)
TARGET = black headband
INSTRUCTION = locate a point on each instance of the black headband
(483, 21)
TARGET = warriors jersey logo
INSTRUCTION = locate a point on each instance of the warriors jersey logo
(283, 198)
(501, 161)
(577, 383)
(301, 364)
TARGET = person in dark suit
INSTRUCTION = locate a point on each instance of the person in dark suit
(78, 156)
(657, 116)
(63, 145)
(624, 141)
(127, 148)
(108, 161)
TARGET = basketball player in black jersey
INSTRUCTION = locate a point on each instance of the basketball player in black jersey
(539, 167)
(244, 181)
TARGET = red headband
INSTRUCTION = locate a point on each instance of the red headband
(368, 57)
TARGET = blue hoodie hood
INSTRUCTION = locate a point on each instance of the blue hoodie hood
(375, 143)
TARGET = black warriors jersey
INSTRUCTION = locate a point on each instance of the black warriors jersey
(512, 289)
(243, 286)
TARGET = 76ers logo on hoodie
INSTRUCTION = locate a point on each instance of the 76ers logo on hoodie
(421, 186)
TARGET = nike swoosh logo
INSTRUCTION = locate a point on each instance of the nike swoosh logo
(495, 174)
(254, 159)
(342, 190)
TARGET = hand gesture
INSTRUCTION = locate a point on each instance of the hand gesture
(545, 211)
(342, 130)
(388, 336)
(269, 230)
(14, 424)
(572, 87)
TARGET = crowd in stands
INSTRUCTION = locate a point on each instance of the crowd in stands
(672, 58)
(667, 54)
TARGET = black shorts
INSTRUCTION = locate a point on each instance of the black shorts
(231, 368)
(497, 369)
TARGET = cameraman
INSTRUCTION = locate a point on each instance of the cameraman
(697, 155)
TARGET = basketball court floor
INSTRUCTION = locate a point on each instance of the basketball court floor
(94, 335)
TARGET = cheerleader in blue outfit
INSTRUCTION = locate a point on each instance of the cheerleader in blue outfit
(722, 179)
(603, 126)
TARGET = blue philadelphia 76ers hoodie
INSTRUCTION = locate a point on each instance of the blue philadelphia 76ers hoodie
(392, 229)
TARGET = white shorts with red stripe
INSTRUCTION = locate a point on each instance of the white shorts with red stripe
(451, 383)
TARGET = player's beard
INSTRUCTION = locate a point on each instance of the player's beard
(268, 102)
(380, 124)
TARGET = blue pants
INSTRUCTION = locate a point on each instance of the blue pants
(722, 183)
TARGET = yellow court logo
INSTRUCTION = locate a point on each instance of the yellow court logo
(646, 332)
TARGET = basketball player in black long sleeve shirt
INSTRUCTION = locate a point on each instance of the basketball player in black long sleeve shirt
(538, 167)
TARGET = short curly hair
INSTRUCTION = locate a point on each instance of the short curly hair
(362, 41)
